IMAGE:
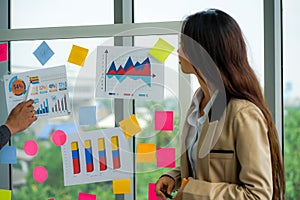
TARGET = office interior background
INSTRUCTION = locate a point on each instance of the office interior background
(271, 29)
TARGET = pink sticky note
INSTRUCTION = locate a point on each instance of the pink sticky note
(31, 147)
(163, 120)
(151, 192)
(3, 52)
(40, 174)
(59, 137)
(165, 157)
(85, 196)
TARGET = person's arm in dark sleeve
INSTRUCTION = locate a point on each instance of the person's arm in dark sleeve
(4, 135)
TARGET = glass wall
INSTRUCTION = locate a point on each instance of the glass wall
(81, 85)
(34, 14)
(291, 96)
(249, 15)
(148, 172)
(37, 14)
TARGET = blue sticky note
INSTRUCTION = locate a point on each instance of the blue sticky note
(43, 53)
(8, 155)
(87, 115)
(119, 197)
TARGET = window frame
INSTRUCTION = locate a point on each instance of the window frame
(124, 21)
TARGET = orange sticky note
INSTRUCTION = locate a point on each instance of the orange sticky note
(161, 50)
(5, 194)
(146, 152)
(78, 55)
(121, 186)
(130, 126)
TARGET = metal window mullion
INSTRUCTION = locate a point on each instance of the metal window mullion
(109, 30)
(273, 62)
(125, 107)
(5, 170)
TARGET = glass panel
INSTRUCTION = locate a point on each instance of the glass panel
(35, 14)
(81, 90)
(249, 15)
(291, 93)
(149, 172)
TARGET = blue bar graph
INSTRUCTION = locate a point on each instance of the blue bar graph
(43, 108)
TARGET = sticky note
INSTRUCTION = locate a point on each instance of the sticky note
(121, 186)
(78, 55)
(31, 147)
(40, 174)
(87, 115)
(151, 192)
(161, 50)
(86, 196)
(5, 194)
(3, 52)
(130, 126)
(9, 155)
(43, 53)
(59, 137)
(165, 157)
(146, 152)
(163, 120)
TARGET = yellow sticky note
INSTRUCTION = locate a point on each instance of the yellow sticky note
(5, 194)
(161, 50)
(121, 186)
(78, 55)
(146, 152)
(130, 126)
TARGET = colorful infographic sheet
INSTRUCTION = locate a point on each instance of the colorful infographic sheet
(128, 73)
(47, 87)
(96, 156)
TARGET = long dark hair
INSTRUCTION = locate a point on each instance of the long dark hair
(220, 35)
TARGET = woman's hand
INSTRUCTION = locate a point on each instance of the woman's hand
(166, 184)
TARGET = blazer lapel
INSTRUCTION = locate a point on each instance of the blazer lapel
(210, 134)
(184, 159)
(208, 139)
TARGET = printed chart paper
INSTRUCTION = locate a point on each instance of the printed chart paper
(96, 156)
(47, 87)
(128, 73)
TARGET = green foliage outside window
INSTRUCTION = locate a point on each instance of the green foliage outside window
(292, 152)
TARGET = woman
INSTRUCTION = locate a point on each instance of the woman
(230, 148)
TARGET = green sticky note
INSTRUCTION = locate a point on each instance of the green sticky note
(161, 50)
(5, 194)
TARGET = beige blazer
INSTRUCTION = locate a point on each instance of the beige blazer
(238, 165)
